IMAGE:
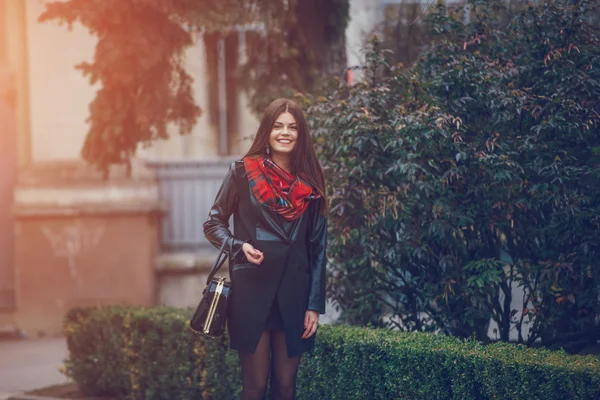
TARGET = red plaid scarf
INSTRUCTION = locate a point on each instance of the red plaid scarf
(277, 189)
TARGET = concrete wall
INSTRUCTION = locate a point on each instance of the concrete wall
(59, 95)
(81, 241)
(82, 260)
(364, 16)
(8, 174)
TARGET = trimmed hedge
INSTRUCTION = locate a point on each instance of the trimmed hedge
(359, 363)
(143, 353)
(146, 353)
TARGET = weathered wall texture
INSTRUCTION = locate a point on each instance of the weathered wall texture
(81, 241)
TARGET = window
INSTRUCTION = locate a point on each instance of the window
(222, 60)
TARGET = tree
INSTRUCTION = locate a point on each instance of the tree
(139, 62)
(305, 45)
(472, 173)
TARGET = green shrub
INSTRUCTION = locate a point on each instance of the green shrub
(142, 353)
(360, 363)
(146, 353)
(470, 174)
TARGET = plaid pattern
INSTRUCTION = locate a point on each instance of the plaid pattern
(277, 189)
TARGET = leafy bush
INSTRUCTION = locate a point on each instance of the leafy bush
(151, 354)
(361, 363)
(474, 172)
(142, 353)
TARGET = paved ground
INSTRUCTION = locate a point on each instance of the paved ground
(30, 364)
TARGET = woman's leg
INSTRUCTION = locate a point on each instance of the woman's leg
(284, 369)
(255, 369)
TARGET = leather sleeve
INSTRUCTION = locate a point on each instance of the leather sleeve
(216, 227)
(318, 262)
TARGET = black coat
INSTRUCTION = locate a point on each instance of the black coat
(293, 268)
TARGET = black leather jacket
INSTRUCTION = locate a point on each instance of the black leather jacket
(304, 240)
(293, 269)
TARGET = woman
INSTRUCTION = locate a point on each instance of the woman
(276, 194)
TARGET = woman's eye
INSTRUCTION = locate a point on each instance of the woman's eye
(280, 127)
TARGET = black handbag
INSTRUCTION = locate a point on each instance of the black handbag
(211, 314)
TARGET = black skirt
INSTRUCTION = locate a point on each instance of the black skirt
(274, 321)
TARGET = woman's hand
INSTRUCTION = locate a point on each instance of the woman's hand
(311, 320)
(253, 255)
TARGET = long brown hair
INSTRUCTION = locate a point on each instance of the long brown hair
(304, 160)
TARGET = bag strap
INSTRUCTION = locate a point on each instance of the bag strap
(220, 259)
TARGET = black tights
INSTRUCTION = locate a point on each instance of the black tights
(270, 354)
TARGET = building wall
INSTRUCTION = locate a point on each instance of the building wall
(364, 16)
(8, 155)
(18, 67)
(8, 174)
(59, 94)
(98, 239)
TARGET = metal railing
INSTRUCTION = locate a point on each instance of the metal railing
(188, 188)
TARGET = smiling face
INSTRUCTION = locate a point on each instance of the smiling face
(284, 135)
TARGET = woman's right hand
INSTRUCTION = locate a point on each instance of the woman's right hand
(253, 255)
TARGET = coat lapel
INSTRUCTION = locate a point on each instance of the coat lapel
(269, 219)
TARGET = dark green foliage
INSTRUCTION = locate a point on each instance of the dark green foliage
(360, 363)
(143, 353)
(305, 46)
(151, 354)
(470, 174)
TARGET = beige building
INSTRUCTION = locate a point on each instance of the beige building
(68, 238)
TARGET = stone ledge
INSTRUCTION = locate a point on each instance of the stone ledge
(72, 173)
(104, 199)
(11, 331)
(24, 212)
(186, 263)
(69, 196)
